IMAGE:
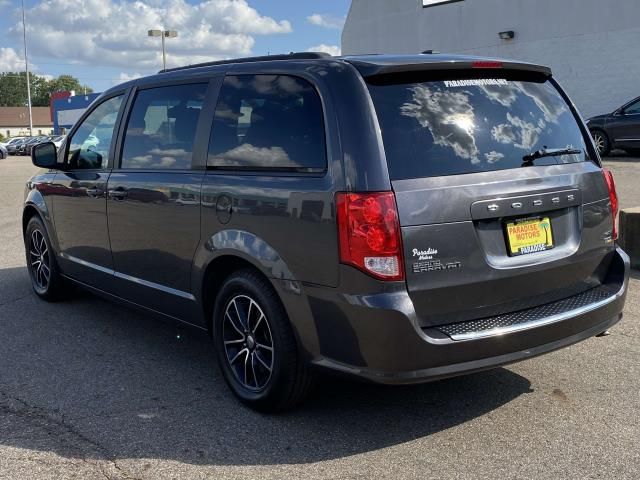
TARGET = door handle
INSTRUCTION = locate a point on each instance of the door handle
(118, 194)
(95, 192)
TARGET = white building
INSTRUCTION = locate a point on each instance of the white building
(592, 46)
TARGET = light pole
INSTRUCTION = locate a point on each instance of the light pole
(162, 34)
(26, 67)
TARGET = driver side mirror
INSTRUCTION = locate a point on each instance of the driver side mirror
(619, 111)
(45, 155)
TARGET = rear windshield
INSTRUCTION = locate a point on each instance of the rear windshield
(452, 127)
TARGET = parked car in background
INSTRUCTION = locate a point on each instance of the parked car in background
(14, 144)
(393, 218)
(619, 129)
(26, 148)
(22, 145)
(3, 152)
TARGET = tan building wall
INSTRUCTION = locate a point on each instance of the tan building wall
(14, 121)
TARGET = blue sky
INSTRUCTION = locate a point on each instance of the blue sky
(103, 42)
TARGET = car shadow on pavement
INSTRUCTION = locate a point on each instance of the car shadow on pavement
(89, 379)
(621, 156)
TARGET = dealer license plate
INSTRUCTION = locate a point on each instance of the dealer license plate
(529, 236)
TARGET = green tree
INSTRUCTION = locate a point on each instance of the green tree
(68, 83)
(13, 88)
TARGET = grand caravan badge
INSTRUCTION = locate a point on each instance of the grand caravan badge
(428, 263)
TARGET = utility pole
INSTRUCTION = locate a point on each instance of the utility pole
(164, 54)
(163, 34)
(26, 67)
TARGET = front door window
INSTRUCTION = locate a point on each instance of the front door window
(90, 144)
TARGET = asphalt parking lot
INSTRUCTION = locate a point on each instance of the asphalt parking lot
(89, 390)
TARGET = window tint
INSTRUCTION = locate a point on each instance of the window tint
(89, 146)
(633, 108)
(162, 127)
(268, 122)
(464, 126)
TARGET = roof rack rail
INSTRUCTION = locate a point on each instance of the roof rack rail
(264, 58)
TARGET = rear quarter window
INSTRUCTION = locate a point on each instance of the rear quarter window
(459, 126)
(268, 122)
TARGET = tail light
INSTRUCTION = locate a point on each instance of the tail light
(369, 233)
(613, 198)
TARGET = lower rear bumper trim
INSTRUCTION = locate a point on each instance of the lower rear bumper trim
(533, 318)
(464, 368)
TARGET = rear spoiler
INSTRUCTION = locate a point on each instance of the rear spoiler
(377, 69)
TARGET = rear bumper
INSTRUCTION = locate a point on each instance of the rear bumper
(377, 337)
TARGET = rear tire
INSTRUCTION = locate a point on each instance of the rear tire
(46, 280)
(601, 142)
(256, 348)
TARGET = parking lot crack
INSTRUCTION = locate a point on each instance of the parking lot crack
(14, 300)
(58, 424)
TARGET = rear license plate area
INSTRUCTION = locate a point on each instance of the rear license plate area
(528, 235)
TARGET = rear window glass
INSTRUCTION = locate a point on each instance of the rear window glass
(453, 127)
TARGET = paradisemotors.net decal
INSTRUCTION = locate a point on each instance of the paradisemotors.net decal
(476, 82)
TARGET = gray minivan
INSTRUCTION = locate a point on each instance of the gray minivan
(396, 218)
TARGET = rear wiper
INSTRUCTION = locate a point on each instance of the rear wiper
(548, 152)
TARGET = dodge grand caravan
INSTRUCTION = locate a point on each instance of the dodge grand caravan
(396, 218)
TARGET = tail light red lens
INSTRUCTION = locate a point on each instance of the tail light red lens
(369, 233)
(613, 199)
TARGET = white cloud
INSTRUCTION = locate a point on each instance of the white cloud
(330, 49)
(10, 61)
(546, 99)
(125, 77)
(518, 132)
(493, 156)
(4, 3)
(504, 95)
(504, 133)
(326, 21)
(247, 154)
(448, 115)
(114, 32)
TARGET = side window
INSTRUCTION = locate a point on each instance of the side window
(89, 145)
(270, 122)
(162, 127)
(633, 109)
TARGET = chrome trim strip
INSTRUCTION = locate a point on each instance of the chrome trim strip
(139, 281)
(84, 263)
(627, 140)
(494, 332)
(156, 286)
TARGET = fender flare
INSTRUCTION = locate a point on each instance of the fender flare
(35, 201)
(262, 256)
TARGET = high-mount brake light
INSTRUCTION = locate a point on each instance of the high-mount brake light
(613, 200)
(486, 64)
(369, 233)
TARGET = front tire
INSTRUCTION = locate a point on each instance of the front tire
(43, 270)
(601, 141)
(256, 348)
